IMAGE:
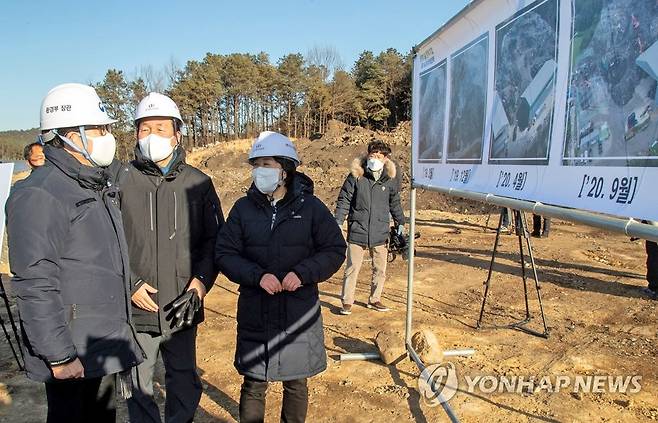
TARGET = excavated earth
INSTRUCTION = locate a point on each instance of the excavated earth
(600, 322)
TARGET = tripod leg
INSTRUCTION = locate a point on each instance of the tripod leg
(14, 328)
(11, 344)
(491, 264)
(522, 232)
(537, 287)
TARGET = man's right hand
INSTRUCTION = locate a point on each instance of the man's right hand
(270, 283)
(72, 370)
(143, 300)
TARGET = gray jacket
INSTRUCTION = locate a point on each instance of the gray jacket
(69, 259)
(368, 204)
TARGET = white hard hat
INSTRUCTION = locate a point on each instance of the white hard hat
(71, 105)
(156, 104)
(273, 144)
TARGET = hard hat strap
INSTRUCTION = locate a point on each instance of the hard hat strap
(71, 144)
(85, 143)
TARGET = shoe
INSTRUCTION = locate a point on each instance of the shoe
(536, 235)
(378, 306)
(507, 230)
(346, 310)
(650, 293)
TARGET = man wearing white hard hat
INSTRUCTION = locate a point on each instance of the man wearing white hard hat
(69, 260)
(279, 242)
(171, 215)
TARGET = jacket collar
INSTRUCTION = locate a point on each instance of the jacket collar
(89, 177)
(148, 167)
(359, 169)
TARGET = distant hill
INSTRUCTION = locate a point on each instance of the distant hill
(12, 142)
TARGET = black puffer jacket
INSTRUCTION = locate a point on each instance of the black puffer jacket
(69, 258)
(368, 204)
(280, 336)
(171, 224)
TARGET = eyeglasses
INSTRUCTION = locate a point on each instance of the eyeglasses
(104, 129)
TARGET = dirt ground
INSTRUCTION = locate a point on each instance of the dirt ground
(600, 322)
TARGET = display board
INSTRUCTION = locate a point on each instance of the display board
(550, 100)
(6, 172)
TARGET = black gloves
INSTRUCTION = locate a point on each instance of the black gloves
(184, 307)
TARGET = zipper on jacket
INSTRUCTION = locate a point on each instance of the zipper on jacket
(161, 316)
(151, 209)
(214, 207)
(372, 188)
(273, 216)
(175, 217)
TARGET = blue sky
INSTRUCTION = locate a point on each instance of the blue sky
(44, 43)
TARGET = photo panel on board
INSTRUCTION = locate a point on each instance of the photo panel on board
(611, 110)
(468, 102)
(524, 85)
(432, 109)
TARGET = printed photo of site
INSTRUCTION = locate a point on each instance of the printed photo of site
(524, 85)
(431, 113)
(612, 113)
(468, 101)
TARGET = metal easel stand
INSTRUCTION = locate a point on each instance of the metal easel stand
(522, 233)
(20, 361)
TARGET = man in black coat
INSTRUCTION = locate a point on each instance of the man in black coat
(69, 259)
(171, 215)
(369, 196)
(652, 265)
(278, 243)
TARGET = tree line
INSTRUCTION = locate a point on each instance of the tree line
(238, 95)
(12, 143)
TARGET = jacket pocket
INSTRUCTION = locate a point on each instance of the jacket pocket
(294, 357)
(90, 323)
(250, 311)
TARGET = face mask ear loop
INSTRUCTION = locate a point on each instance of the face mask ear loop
(281, 179)
(86, 146)
(71, 144)
(177, 128)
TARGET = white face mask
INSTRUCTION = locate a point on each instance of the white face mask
(103, 150)
(155, 147)
(266, 179)
(375, 165)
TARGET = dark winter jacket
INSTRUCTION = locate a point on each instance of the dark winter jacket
(280, 336)
(69, 259)
(171, 224)
(652, 264)
(368, 204)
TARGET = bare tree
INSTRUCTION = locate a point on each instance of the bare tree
(172, 70)
(325, 57)
(154, 79)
